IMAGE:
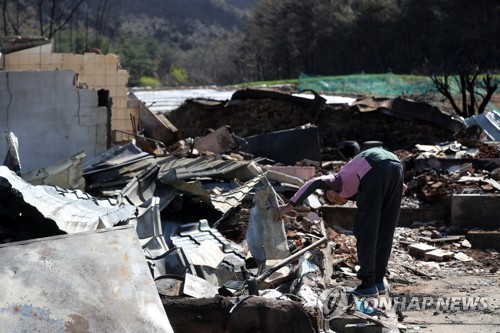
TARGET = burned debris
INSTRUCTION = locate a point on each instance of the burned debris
(171, 229)
(201, 207)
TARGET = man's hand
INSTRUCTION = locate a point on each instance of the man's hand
(282, 210)
(334, 198)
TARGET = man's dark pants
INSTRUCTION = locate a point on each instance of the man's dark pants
(379, 204)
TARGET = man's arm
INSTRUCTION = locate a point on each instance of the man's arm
(324, 182)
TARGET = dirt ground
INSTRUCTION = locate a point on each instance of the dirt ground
(447, 296)
(458, 296)
(482, 290)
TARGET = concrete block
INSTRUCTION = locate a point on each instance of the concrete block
(73, 59)
(97, 81)
(57, 60)
(15, 67)
(338, 324)
(23, 59)
(89, 68)
(46, 66)
(120, 102)
(122, 78)
(484, 239)
(46, 59)
(111, 59)
(419, 249)
(45, 49)
(89, 58)
(11, 60)
(33, 59)
(100, 68)
(438, 255)
(475, 211)
(32, 50)
(362, 328)
(111, 69)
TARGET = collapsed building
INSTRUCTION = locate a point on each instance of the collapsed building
(170, 227)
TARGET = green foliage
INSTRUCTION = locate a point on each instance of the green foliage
(139, 57)
(229, 41)
(324, 37)
(73, 41)
(147, 81)
(179, 76)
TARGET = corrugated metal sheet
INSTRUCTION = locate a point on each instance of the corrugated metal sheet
(190, 235)
(203, 166)
(233, 198)
(70, 214)
(88, 282)
(108, 167)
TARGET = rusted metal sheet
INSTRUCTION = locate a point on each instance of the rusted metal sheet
(219, 141)
(88, 282)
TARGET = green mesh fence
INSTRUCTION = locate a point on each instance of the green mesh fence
(380, 85)
(383, 85)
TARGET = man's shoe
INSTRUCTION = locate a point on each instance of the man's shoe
(362, 291)
(381, 288)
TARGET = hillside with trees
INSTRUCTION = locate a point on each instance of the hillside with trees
(200, 42)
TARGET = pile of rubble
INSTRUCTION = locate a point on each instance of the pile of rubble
(203, 209)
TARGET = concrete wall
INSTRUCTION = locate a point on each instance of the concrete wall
(475, 211)
(97, 71)
(51, 118)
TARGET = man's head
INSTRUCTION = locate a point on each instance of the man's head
(334, 198)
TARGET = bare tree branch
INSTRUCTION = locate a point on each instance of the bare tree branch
(40, 16)
(4, 17)
(443, 86)
(60, 12)
(490, 85)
